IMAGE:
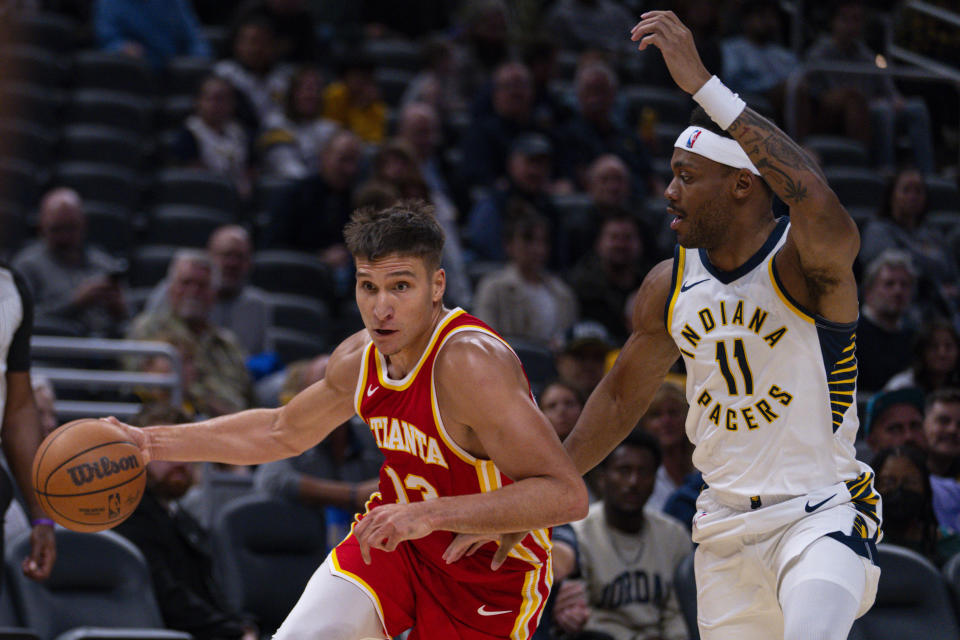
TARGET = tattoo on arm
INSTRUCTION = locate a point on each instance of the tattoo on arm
(779, 158)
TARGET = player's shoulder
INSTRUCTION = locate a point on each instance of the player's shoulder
(343, 369)
(479, 353)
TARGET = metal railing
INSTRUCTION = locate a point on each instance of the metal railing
(823, 66)
(116, 379)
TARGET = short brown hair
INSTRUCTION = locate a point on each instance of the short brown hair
(406, 228)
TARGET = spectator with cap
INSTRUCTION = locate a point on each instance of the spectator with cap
(528, 169)
(73, 283)
(153, 30)
(488, 140)
(594, 130)
(941, 428)
(240, 307)
(353, 101)
(581, 359)
(604, 278)
(885, 331)
(215, 376)
(524, 300)
(895, 418)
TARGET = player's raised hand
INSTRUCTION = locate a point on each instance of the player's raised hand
(388, 525)
(664, 30)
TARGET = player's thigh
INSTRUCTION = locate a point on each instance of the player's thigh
(331, 608)
(736, 597)
(829, 560)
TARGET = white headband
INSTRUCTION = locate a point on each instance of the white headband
(719, 149)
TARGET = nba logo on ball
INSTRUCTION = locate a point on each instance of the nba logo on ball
(89, 475)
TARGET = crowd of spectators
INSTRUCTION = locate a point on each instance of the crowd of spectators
(542, 139)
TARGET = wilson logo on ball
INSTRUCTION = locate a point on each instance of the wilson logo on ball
(102, 468)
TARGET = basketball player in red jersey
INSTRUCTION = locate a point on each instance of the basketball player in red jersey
(465, 451)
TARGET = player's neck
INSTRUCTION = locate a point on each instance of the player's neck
(743, 240)
(402, 362)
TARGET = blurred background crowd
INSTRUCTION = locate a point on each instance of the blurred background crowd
(180, 172)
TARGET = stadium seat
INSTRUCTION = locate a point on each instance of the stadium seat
(309, 315)
(196, 187)
(291, 345)
(99, 581)
(183, 76)
(17, 633)
(855, 186)
(283, 271)
(31, 65)
(913, 600)
(27, 141)
(670, 105)
(109, 227)
(537, 361)
(206, 499)
(19, 183)
(684, 583)
(113, 72)
(837, 151)
(394, 53)
(101, 182)
(46, 30)
(38, 104)
(266, 550)
(185, 226)
(101, 144)
(392, 82)
(111, 109)
(148, 264)
(942, 194)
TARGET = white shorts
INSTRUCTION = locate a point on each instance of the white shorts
(743, 555)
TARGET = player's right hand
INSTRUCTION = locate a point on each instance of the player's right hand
(136, 434)
(664, 30)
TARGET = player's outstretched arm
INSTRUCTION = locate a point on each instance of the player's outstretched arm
(824, 241)
(483, 396)
(263, 435)
(622, 397)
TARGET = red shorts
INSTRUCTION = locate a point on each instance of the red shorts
(471, 602)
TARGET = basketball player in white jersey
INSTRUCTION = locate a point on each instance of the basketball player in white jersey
(763, 312)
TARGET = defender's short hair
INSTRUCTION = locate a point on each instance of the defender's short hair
(406, 228)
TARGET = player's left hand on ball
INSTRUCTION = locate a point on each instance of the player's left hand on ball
(388, 525)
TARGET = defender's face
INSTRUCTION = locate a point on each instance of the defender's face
(696, 199)
(397, 296)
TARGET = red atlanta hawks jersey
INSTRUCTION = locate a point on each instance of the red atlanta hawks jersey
(421, 461)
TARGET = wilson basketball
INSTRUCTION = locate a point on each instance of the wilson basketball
(89, 475)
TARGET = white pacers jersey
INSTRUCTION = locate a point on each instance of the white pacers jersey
(771, 387)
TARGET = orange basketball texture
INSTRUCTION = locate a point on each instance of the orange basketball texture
(89, 475)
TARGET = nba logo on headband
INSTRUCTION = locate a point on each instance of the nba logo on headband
(693, 138)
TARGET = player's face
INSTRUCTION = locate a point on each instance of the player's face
(942, 429)
(628, 479)
(399, 299)
(696, 200)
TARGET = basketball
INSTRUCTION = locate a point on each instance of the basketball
(89, 475)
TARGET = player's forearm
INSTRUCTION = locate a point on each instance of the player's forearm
(21, 437)
(249, 437)
(530, 503)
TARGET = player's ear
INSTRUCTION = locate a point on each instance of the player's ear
(439, 284)
(744, 184)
